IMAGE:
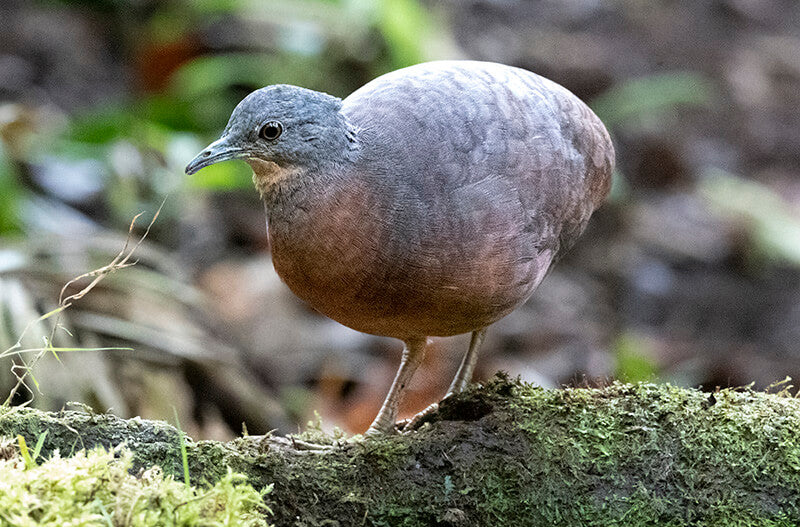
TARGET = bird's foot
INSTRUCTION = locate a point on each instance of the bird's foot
(400, 425)
(378, 431)
(409, 425)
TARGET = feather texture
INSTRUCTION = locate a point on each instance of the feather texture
(464, 182)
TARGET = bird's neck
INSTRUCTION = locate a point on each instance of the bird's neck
(275, 183)
(294, 195)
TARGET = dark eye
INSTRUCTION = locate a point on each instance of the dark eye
(271, 131)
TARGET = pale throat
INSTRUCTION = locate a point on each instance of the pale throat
(267, 174)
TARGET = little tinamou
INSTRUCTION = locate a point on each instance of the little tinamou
(430, 202)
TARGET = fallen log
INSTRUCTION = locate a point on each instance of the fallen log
(503, 453)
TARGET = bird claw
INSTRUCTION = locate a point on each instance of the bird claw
(409, 425)
(400, 425)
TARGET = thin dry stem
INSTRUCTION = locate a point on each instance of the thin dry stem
(120, 261)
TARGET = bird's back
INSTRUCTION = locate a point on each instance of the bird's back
(465, 121)
(487, 174)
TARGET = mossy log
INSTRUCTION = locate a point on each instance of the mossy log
(504, 454)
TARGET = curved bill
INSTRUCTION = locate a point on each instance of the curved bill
(219, 150)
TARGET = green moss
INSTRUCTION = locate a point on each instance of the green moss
(96, 488)
(315, 434)
(623, 455)
(508, 454)
(654, 455)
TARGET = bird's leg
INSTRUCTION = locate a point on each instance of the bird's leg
(464, 373)
(460, 381)
(413, 353)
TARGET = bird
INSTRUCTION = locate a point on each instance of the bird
(430, 202)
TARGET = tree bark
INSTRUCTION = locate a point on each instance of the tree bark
(503, 454)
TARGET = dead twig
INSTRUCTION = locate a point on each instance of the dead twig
(120, 261)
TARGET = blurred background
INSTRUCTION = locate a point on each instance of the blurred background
(689, 274)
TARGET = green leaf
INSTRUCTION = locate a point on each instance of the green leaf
(227, 175)
(633, 359)
(215, 73)
(39, 444)
(25, 453)
(773, 224)
(10, 195)
(184, 454)
(102, 125)
(406, 26)
(648, 97)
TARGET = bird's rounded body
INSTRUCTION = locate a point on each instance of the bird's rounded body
(464, 181)
(430, 202)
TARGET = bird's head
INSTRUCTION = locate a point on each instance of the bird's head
(281, 129)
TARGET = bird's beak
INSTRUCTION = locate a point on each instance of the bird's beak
(219, 150)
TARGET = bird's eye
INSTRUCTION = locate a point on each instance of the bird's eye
(271, 131)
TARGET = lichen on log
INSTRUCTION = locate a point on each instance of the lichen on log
(504, 453)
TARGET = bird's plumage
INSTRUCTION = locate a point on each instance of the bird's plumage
(468, 179)
(430, 202)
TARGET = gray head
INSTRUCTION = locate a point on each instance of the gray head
(282, 124)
